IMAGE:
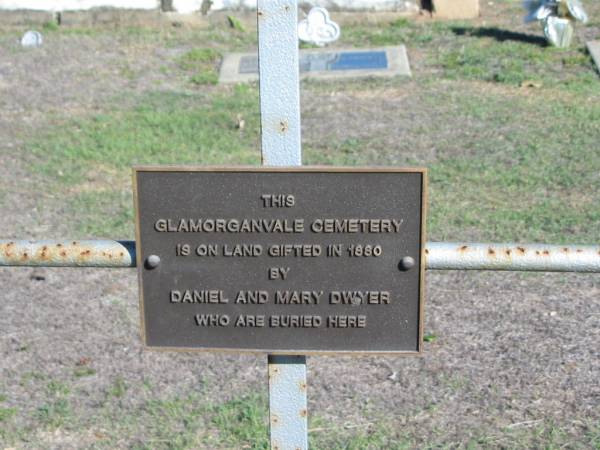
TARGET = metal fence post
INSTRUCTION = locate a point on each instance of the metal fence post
(281, 146)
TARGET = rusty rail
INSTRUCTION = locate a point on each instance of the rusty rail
(515, 257)
(88, 253)
(439, 255)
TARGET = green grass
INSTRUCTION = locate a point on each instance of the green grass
(56, 412)
(189, 422)
(91, 158)
(461, 51)
(512, 62)
(546, 159)
(203, 64)
(81, 372)
(118, 388)
(7, 413)
(538, 149)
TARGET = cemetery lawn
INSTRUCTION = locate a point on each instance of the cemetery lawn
(509, 130)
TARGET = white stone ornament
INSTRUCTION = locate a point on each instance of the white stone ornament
(318, 28)
(558, 18)
(32, 39)
(577, 11)
(537, 10)
(558, 31)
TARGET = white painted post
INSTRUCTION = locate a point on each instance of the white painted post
(281, 146)
(279, 82)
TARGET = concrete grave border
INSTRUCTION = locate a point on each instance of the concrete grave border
(397, 61)
(593, 48)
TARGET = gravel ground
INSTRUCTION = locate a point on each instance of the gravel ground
(512, 350)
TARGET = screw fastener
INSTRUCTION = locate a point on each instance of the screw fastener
(152, 262)
(406, 263)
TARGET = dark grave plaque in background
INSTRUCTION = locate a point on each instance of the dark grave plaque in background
(326, 63)
(293, 261)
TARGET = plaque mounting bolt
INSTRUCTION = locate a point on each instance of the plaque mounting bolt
(406, 263)
(152, 262)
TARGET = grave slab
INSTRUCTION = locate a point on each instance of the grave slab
(326, 64)
(594, 49)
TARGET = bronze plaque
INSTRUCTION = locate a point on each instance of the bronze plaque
(281, 260)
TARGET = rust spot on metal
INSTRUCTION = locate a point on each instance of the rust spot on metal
(491, 252)
(303, 413)
(25, 255)
(74, 242)
(302, 385)
(464, 248)
(283, 126)
(273, 371)
(63, 254)
(565, 249)
(274, 420)
(426, 251)
(537, 252)
(10, 244)
(59, 245)
(121, 254)
(86, 253)
(521, 250)
(508, 252)
(579, 250)
(546, 253)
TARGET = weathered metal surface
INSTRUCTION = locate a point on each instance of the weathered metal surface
(279, 82)
(281, 146)
(516, 257)
(285, 260)
(288, 418)
(439, 255)
(67, 253)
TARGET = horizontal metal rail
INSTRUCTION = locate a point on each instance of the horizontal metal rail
(89, 253)
(439, 255)
(515, 257)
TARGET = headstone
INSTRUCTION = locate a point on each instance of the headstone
(331, 63)
(594, 49)
(281, 260)
(32, 39)
(456, 9)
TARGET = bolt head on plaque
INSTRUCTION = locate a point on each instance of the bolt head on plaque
(406, 263)
(152, 262)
